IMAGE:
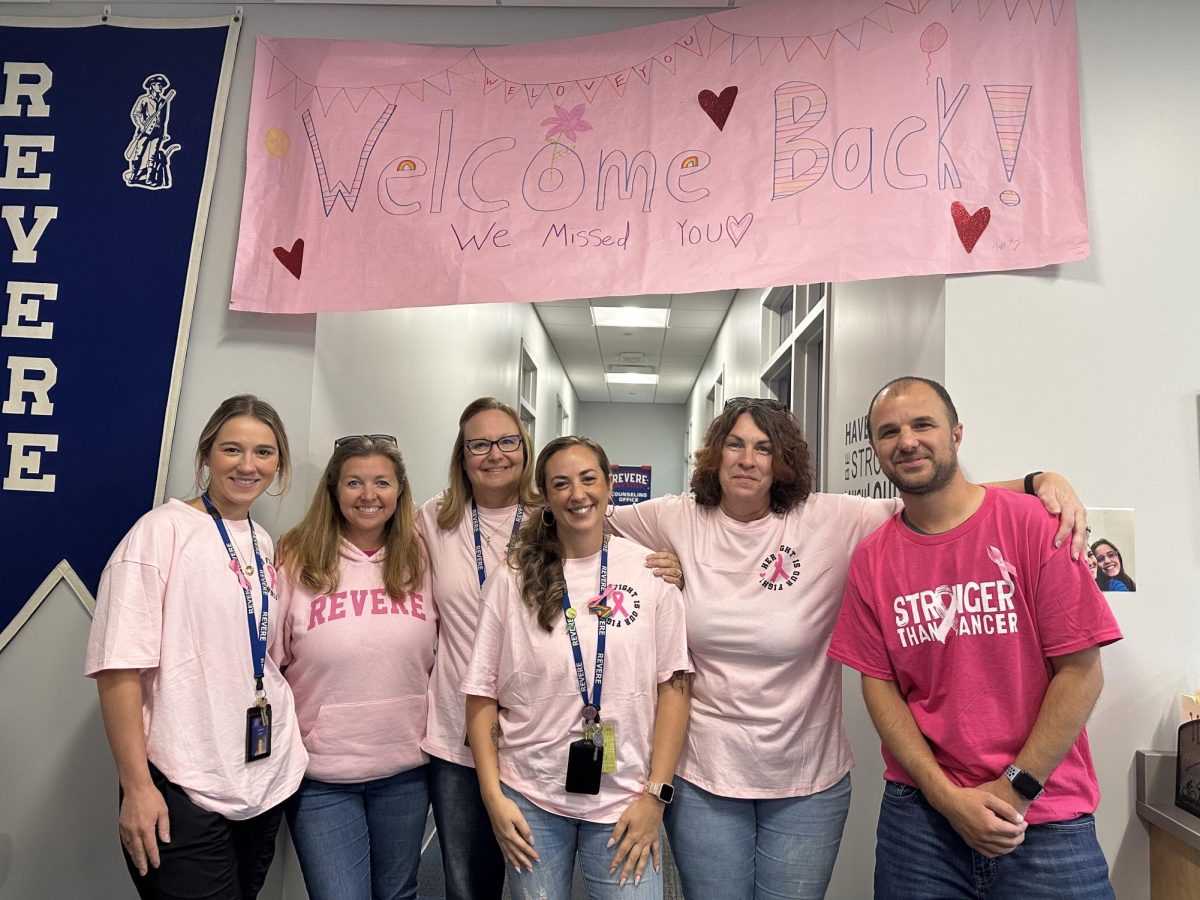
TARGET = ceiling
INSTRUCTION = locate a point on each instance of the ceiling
(674, 353)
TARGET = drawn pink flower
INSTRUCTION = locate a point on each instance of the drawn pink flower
(566, 123)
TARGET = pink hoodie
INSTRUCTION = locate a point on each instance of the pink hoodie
(358, 662)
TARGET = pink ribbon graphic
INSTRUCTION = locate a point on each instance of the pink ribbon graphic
(1006, 570)
(778, 572)
(237, 570)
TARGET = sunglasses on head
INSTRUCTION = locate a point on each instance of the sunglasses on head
(389, 438)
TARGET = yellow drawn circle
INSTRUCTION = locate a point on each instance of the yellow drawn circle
(278, 143)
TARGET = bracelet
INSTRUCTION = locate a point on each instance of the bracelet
(1029, 482)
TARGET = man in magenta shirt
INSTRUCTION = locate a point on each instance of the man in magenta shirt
(978, 643)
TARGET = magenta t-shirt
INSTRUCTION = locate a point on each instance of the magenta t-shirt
(965, 623)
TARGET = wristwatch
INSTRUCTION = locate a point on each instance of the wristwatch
(1024, 783)
(662, 792)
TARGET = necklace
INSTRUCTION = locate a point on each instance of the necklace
(488, 537)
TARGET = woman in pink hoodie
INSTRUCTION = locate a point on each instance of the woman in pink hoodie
(356, 640)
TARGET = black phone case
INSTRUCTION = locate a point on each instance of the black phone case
(585, 760)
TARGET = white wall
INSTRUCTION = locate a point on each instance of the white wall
(410, 373)
(640, 434)
(735, 356)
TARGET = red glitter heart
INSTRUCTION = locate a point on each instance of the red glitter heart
(293, 260)
(970, 226)
(718, 108)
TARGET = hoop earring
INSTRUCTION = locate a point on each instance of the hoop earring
(546, 509)
(612, 508)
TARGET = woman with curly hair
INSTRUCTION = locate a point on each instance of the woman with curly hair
(577, 693)
(765, 764)
(356, 642)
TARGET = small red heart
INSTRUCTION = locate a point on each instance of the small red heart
(970, 226)
(293, 260)
(718, 108)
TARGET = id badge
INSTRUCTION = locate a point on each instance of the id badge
(585, 762)
(609, 731)
(258, 733)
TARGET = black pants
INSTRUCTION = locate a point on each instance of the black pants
(210, 857)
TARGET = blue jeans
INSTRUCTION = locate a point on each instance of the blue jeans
(362, 840)
(735, 849)
(471, 858)
(919, 856)
(557, 839)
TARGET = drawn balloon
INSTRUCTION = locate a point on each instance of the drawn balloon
(933, 38)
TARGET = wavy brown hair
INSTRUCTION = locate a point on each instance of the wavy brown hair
(310, 551)
(259, 410)
(459, 490)
(791, 462)
(537, 554)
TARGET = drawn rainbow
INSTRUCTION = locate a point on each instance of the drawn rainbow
(690, 163)
(406, 165)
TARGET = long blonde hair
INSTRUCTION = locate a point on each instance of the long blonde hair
(459, 490)
(310, 550)
(537, 554)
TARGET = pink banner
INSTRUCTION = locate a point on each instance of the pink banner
(781, 143)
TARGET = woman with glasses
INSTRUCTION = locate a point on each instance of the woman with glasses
(200, 721)
(577, 693)
(468, 529)
(764, 784)
(1111, 575)
(356, 641)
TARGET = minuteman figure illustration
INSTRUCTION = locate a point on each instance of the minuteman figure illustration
(149, 152)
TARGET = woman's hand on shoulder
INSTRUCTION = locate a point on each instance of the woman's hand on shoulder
(513, 833)
(142, 822)
(666, 565)
(636, 837)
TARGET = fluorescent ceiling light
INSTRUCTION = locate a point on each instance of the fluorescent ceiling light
(629, 317)
(630, 378)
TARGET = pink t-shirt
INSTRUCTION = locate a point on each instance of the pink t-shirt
(965, 623)
(358, 662)
(456, 585)
(170, 606)
(531, 673)
(761, 600)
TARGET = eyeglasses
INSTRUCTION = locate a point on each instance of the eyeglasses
(388, 438)
(1113, 556)
(764, 402)
(482, 446)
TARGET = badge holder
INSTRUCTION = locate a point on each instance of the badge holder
(585, 763)
(258, 728)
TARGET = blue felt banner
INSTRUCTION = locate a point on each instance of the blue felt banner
(105, 164)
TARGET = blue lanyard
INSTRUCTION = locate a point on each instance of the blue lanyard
(479, 569)
(258, 637)
(591, 708)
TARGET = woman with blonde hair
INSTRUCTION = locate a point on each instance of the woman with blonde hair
(577, 693)
(356, 641)
(199, 719)
(468, 529)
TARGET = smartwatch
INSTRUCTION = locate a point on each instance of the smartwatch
(662, 792)
(1024, 783)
